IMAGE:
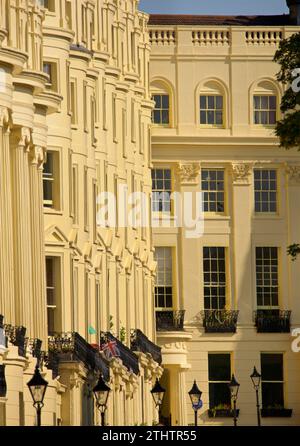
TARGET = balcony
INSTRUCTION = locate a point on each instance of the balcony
(129, 359)
(16, 336)
(272, 321)
(140, 343)
(219, 321)
(170, 320)
(73, 347)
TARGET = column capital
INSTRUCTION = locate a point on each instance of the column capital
(188, 173)
(293, 172)
(4, 116)
(24, 138)
(38, 156)
(241, 172)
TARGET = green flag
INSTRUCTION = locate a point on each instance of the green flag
(91, 330)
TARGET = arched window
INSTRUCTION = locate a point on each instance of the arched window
(161, 95)
(265, 103)
(212, 104)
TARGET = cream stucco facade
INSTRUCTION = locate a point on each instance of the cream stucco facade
(200, 56)
(80, 82)
(75, 117)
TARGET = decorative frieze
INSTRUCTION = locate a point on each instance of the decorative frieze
(241, 173)
(188, 173)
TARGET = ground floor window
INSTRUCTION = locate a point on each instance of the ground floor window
(272, 380)
(219, 375)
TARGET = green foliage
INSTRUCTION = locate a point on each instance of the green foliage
(288, 57)
(294, 251)
(111, 322)
(122, 335)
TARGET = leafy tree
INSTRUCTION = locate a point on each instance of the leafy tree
(288, 129)
(288, 57)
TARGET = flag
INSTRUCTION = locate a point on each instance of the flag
(110, 349)
(91, 330)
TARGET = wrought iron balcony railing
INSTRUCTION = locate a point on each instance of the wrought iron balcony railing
(129, 359)
(140, 343)
(170, 320)
(272, 321)
(16, 335)
(220, 321)
(72, 346)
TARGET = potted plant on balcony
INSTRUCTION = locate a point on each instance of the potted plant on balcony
(222, 411)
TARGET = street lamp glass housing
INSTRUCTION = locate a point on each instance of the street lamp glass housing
(101, 392)
(256, 378)
(37, 387)
(234, 387)
(158, 393)
(195, 395)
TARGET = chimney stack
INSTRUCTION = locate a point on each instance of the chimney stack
(294, 7)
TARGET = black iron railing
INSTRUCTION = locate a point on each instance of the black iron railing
(16, 335)
(34, 346)
(272, 321)
(170, 320)
(72, 346)
(219, 321)
(3, 338)
(129, 359)
(140, 343)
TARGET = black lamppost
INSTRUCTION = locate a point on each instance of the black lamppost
(234, 390)
(37, 387)
(101, 392)
(256, 378)
(195, 396)
(158, 393)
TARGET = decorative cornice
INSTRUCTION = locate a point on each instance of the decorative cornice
(188, 173)
(241, 173)
(293, 172)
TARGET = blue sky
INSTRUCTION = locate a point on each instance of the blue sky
(221, 7)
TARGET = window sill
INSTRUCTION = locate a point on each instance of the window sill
(267, 215)
(51, 211)
(212, 216)
(276, 413)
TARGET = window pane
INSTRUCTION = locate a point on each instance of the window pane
(272, 367)
(219, 396)
(219, 118)
(157, 100)
(165, 117)
(219, 367)
(272, 395)
(272, 102)
(264, 102)
(165, 101)
(219, 102)
(203, 117)
(256, 102)
(211, 102)
(203, 102)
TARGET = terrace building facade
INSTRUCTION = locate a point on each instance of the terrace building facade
(75, 118)
(226, 296)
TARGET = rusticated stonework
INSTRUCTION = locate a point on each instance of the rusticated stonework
(188, 173)
(241, 173)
